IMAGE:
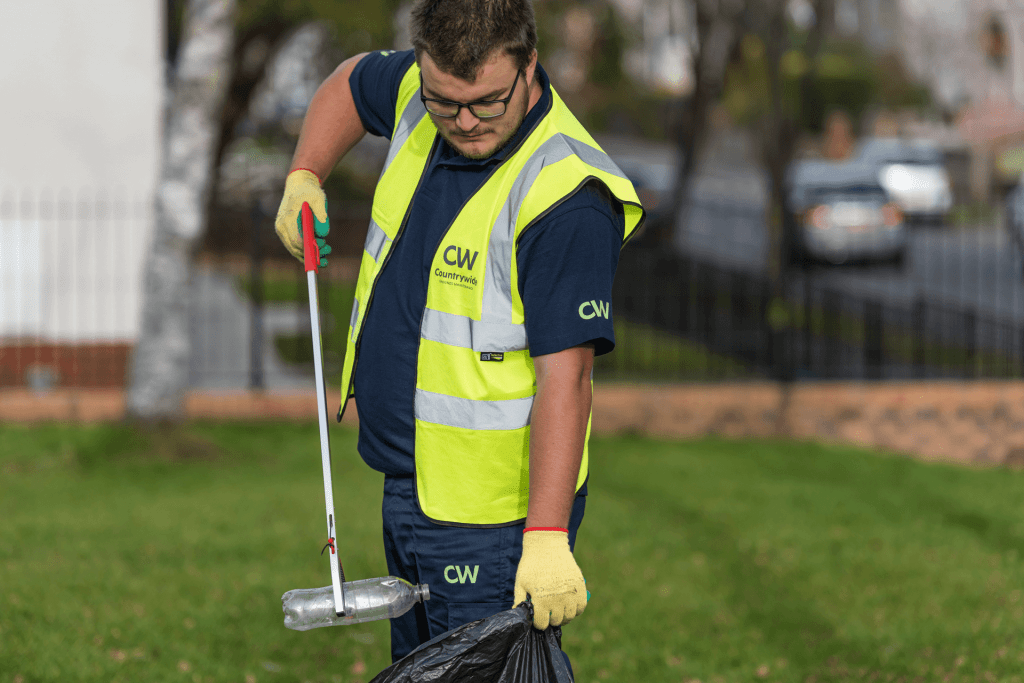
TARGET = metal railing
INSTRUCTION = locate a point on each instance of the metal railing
(807, 329)
(70, 294)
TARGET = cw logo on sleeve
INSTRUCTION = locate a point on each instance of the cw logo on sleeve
(461, 573)
(598, 309)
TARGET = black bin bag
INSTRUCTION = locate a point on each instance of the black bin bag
(504, 648)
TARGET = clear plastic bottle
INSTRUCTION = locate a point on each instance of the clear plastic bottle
(366, 600)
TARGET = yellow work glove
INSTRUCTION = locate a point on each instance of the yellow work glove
(549, 575)
(302, 186)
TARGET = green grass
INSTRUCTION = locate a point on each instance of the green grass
(645, 353)
(284, 287)
(162, 557)
(974, 215)
(900, 342)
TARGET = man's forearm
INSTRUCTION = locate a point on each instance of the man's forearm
(332, 126)
(558, 431)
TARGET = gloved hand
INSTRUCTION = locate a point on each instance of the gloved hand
(302, 186)
(549, 575)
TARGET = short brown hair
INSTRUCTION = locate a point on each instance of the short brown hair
(460, 35)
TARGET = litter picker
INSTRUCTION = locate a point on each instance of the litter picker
(340, 603)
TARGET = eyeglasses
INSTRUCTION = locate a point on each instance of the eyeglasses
(482, 109)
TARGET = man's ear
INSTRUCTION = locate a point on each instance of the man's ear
(531, 68)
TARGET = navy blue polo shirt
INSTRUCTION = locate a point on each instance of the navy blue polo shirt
(566, 259)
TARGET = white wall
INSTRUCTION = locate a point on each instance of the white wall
(81, 84)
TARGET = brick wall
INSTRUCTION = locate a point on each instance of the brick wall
(978, 423)
(46, 365)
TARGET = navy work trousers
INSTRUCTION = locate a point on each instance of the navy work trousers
(471, 571)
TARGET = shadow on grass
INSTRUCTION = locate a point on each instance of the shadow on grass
(145, 444)
(772, 603)
(906, 496)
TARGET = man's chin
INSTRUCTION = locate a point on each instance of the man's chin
(477, 156)
(471, 148)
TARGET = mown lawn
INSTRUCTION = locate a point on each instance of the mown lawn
(162, 557)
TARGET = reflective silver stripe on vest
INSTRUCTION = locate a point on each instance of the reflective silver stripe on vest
(376, 238)
(411, 116)
(469, 414)
(353, 319)
(592, 157)
(466, 333)
(414, 112)
(497, 296)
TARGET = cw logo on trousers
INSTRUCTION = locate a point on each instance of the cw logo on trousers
(461, 573)
(598, 309)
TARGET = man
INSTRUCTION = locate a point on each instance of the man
(483, 296)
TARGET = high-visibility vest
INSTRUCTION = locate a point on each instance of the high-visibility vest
(475, 379)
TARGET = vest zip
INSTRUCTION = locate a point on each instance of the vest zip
(458, 213)
(373, 288)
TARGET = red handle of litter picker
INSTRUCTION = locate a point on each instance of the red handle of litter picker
(310, 252)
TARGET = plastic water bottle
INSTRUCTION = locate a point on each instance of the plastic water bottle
(367, 600)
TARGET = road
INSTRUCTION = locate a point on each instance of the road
(977, 266)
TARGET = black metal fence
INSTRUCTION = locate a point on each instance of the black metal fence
(956, 310)
(806, 329)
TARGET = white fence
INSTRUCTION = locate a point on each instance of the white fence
(71, 267)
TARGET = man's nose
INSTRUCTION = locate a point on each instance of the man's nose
(465, 120)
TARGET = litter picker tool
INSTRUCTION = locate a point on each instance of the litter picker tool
(342, 602)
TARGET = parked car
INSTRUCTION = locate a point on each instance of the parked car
(912, 172)
(842, 213)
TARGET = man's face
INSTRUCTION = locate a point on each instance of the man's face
(470, 136)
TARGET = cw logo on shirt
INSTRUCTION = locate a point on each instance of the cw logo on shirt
(461, 573)
(598, 309)
(461, 258)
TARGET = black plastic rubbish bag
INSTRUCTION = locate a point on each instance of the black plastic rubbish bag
(504, 648)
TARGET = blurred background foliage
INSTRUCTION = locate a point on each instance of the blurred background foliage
(848, 78)
(608, 100)
(589, 48)
(357, 25)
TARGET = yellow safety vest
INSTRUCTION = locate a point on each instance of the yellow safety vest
(475, 380)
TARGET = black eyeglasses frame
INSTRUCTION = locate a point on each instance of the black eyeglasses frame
(469, 105)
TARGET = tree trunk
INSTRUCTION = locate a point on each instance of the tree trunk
(777, 140)
(719, 31)
(778, 146)
(251, 56)
(781, 128)
(159, 369)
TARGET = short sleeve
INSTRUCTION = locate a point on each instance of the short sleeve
(374, 82)
(567, 264)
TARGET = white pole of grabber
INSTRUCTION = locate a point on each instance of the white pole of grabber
(312, 262)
